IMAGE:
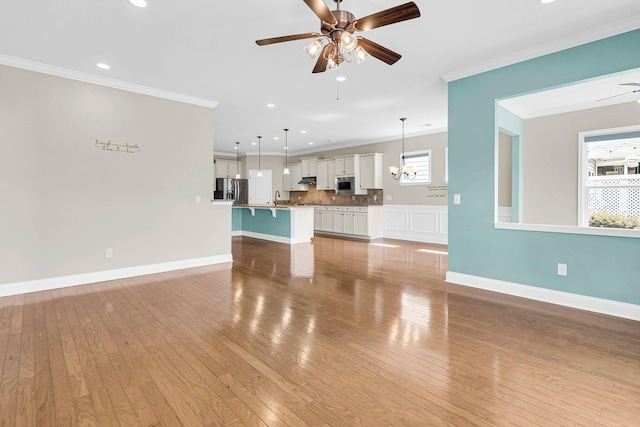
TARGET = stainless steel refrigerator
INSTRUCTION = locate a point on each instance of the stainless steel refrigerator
(232, 189)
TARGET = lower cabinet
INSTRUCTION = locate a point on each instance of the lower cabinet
(357, 221)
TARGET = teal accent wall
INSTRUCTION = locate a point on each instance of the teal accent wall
(598, 266)
(236, 219)
(263, 222)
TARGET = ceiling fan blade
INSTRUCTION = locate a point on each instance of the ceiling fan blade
(400, 13)
(630, 84)
(323, 59)
(322, 11)
(292, 37)
(378, 51)
(615, 96)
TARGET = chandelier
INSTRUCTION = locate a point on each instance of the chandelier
(409, 172)
(342, 44)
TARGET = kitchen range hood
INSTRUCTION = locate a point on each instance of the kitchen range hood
(308, 180)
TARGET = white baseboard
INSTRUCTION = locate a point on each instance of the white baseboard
(269, 237)
(582, 302)
(101, 276)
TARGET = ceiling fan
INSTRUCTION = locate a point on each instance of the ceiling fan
(626, 93)
(337, 29)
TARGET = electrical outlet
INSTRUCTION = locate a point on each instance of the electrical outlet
(388, 197)
(375, 197)
(562, 269)
(108, 253)
(198, 200)
(456, 199)
(353, 197)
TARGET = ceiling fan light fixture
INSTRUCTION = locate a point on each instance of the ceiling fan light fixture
(314, 49)
(332, 64)
(349, 41)
(361, 54)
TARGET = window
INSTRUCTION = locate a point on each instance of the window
(610, 178)
(422, 161)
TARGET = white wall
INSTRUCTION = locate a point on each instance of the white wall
(63, 201)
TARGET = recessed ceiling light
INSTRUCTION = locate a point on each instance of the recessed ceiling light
(311, 143)
(341, 78)
(139, 3)
(546, 1)
(275, 138)
(103, 66)
(286, 148)
(303, 131)
(271, 105)
(253, 143)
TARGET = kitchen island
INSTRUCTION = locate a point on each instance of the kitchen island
(283, 224)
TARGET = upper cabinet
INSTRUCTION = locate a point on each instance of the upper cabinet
(371, 170)
(227, 168)
(309, 166)
(290, 182)
(326, 176)
(346, 165)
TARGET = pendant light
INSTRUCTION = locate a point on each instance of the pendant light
(259, 158)
(286, 152)
(237, 169)
(403, 170)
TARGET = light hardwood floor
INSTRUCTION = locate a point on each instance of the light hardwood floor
(337, 332)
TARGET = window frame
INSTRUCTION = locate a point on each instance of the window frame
(414, 154)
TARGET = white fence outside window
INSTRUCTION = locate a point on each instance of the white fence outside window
(618, 195)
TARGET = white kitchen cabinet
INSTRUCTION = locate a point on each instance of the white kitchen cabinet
(309, 166)
(360, 223)
(347, 220)
(346, 165)
(357, 221)
(325, 179)
(338, 220)
(226, 168)
(290, 182)
(327, 219)
(371, 171)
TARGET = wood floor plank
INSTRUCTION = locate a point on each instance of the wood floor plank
(330, 333)
(43, 394)
(26, 410)
(134, 356)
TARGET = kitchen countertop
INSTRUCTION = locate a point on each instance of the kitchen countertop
(272, 206)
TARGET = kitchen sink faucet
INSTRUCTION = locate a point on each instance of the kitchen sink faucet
(275, 198)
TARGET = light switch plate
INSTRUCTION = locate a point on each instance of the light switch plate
(456, 199)
(198, 200)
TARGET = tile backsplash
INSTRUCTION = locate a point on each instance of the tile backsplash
(323, 197)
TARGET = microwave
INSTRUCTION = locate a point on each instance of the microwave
(346, 185)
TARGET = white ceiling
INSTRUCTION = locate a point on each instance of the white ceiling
(206, 49)
(595, 93)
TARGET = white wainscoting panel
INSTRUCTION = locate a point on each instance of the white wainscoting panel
(420, 223)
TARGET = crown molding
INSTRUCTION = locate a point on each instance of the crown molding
(102, 81)
(620, 27)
